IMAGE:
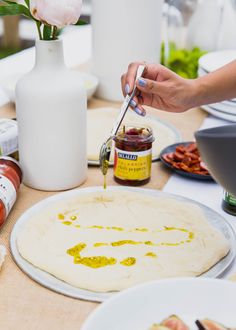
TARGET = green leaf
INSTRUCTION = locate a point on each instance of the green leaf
(27, 3)
(14, 9)
(81, 22)
(38, 24)
(47, 32)
(10, 2)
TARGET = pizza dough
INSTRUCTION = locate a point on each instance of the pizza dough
(111, 240)
(101, 121)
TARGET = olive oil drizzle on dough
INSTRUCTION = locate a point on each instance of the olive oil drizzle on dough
(103, 261)
(128, 261)
(96, 261)
(190, 234)
(67, 223)
(151, 254)
(150, 243)
(93, 262)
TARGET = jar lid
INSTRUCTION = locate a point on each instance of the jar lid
(13, 160)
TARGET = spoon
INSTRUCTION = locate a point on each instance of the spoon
(105, 150)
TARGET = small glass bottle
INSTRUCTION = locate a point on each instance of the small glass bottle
(133, 155)
(229, 203)
(10, 180)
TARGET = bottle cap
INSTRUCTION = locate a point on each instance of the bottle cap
(13, 160)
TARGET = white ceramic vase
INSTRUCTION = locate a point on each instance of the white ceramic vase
(51, 109)
(124, 31)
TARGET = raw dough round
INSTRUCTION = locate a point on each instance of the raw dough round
(165, 238)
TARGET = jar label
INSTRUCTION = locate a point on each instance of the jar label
(7, 193)
(132, 165)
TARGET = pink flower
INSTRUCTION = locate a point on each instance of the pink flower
(56, 12)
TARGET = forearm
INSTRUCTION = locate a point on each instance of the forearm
(216, 86)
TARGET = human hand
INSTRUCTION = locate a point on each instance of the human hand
(160, 88)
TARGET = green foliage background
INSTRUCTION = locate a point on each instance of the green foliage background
(182, 61)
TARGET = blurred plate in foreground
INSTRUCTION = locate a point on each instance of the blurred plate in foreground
(189, 298)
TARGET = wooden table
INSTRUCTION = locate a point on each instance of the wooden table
(24, 304)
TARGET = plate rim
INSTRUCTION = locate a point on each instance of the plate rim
(219, 114)
(101, 308)
(84, 294)
(174, 129)
(228, 108)
(183, 173)
(218, 107)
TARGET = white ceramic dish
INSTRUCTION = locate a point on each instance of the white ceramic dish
(189, 298)
(230, 109)
(219, 114)
(215, 60)
(9, 84)
(59, 286)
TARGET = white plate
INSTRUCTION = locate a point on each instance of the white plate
(57, 285)
(215, 60)
(9, 84)
(228, 108)
(189, 298)
(219, 114)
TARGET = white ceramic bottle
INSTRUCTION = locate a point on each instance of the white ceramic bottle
(124, 31)
(51, 113)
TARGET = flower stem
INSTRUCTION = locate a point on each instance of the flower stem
(39, 31)
(54, 32)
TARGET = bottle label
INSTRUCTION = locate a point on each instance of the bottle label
(7, 193)
(132, 165)
(8, 137)
(229, 199)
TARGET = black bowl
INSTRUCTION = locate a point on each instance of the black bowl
(218, 150)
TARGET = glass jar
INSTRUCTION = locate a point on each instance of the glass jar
(229, 203)
(133, 155)
(10, 180)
